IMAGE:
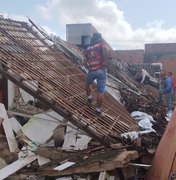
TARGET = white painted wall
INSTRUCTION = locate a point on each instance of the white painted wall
(11, 93)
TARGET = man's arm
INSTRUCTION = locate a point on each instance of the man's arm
(143, 77)
(168, 86)
(85, 60)
(104, 62)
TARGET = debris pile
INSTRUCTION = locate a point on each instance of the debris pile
(60, 136)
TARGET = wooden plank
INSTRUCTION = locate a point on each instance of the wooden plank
(121, 160)
(8, 129)
(163, 160)
(14, 113)
(15, 166)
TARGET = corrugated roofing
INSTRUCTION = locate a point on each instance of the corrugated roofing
(27, 57)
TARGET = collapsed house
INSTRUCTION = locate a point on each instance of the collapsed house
(52, 73)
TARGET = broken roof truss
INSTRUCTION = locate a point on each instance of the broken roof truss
(34, 64)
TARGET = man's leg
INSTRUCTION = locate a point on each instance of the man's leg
(101, 82)
(99, 99)
(89, 80)
(98, 111)
(88, 89)
(89, 94)
(169, 101)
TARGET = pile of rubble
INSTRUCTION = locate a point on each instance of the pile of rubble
(63, 138)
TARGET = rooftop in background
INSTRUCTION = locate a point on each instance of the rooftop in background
(129, 56)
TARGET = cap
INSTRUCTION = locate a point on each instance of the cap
(96, 37)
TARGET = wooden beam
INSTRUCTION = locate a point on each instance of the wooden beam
(15, 166)
(163, 164)
(119, 161)
(15, 113)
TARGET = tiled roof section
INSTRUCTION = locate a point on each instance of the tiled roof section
(129, 56)
(26, 56)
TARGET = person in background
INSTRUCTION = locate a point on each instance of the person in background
(166, 90)
(95, 60)
(170, 74)
(142, 76)
(145, 76)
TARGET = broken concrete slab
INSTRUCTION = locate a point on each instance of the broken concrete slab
(40, 126)
(16, 126)
(75, 140)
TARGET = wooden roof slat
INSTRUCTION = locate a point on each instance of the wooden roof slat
(60, 84)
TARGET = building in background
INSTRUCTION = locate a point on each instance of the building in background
(79, 34)
(164, 53)
(129, 56)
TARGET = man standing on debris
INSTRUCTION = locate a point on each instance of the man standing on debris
(166, 90)
(96, 59)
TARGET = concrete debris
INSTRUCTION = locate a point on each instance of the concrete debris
(16, 126)
(46, 122)
(75, 140)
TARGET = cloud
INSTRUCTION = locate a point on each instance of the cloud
(108, 19)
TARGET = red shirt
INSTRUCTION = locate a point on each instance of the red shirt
(174, 83)
(94, 56)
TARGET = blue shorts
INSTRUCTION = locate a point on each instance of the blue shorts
(100, 76)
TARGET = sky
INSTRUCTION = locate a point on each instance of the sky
(124, 24)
